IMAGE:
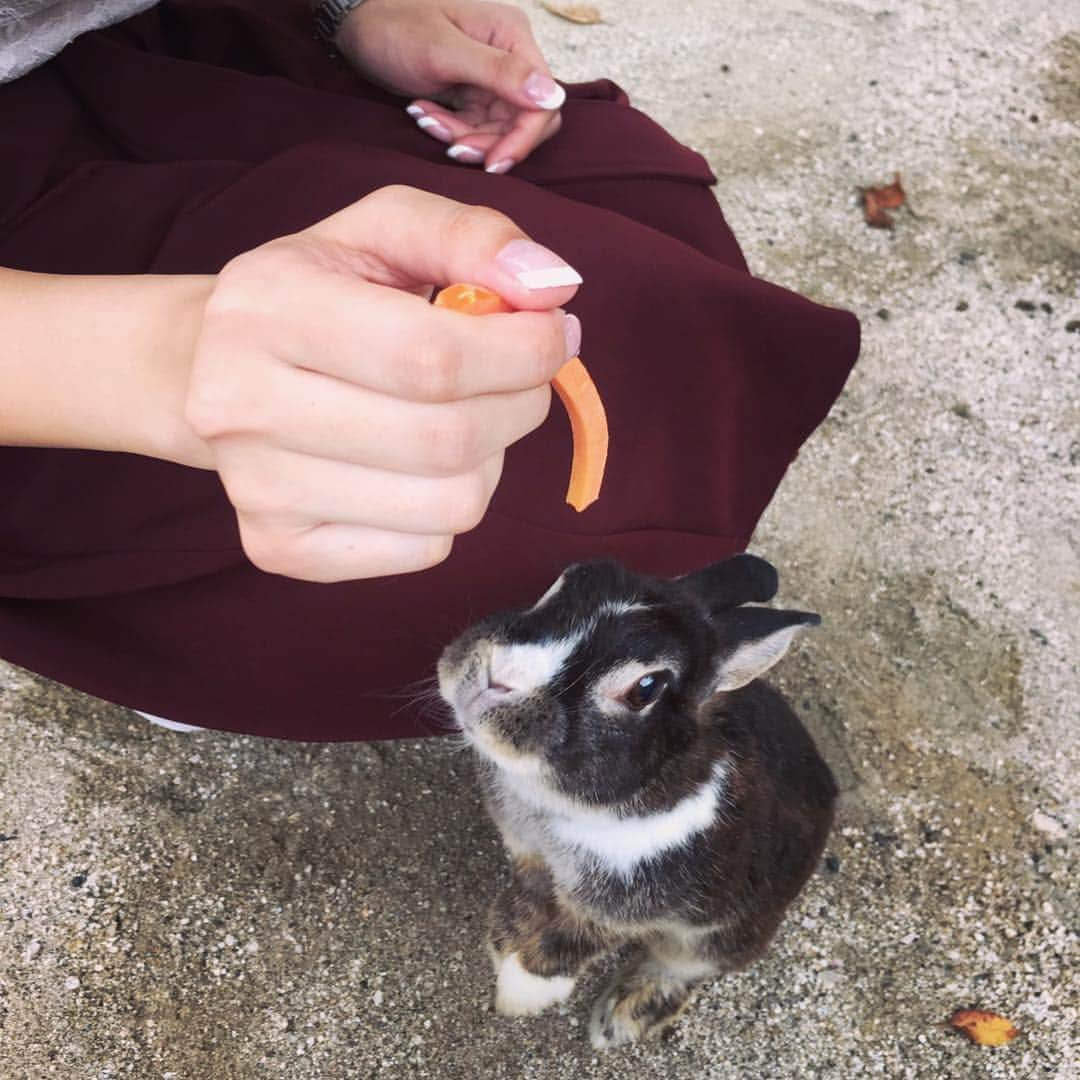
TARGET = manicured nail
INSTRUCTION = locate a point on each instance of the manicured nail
(434, 127)
(572, 326)
(503, 165)
(536, 267)
(415, 110)
(544, 91)
(468, 154)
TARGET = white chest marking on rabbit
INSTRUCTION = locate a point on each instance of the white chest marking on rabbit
(619, 844)
(543, 821)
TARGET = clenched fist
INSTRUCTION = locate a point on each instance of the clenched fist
(356, 428)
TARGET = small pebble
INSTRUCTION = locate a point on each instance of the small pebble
(71, 982)
(1047, 824)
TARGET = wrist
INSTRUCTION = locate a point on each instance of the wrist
(100, 362)
(331, 15)
(174, 319)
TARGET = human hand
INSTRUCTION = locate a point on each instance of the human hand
(356, 427)
(475, 57)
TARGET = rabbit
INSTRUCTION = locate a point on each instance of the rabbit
(649, 790)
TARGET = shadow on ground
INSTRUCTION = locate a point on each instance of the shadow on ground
(209, 907)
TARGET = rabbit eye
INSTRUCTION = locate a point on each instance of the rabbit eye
(646, 690)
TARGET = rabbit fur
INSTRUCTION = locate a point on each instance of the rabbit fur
(650, 790)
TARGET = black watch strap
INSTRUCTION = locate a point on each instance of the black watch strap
(329, 15)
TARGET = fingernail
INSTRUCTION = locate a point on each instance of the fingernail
(503, 165)
(433, 127)
(468, 154)
(415, 110)
(536, 267)
(572, 326)
(544, 90)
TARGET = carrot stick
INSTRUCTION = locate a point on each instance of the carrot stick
(576, 390)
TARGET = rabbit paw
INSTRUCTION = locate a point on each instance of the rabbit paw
(521, 993)
(634, 1009)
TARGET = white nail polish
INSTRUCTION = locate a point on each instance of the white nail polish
(465, 153)
(554, 100)
(435, 127)
(544, 91)
(549, 277)
(501, 166)
(415, 110)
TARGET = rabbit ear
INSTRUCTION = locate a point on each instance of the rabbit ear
(752, 640)
(739, 580)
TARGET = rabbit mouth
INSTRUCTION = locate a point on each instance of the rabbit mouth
(481, 699)
(500, 752)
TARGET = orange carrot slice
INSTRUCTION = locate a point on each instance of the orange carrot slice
(576, 390)
(589, 429)
(472, 299)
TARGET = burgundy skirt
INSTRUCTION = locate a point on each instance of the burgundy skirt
(201, 128)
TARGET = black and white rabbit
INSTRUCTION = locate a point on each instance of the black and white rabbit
(647, 787)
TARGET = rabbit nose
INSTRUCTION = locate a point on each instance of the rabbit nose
(500, 681)
(503, 676)
(526, 667)
(485, 691)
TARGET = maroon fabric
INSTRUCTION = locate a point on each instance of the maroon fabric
(201, 128)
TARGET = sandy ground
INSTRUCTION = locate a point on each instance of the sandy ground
(206, 906)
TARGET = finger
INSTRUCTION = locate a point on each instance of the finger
(400, 232)
(277, 491)
(328, 553)
(308, 413)
(472, 149)
(516, 76)
(448, 125)
(386, 340)
(476, 116)
(529, 131)
(468, 142)
(468, 138)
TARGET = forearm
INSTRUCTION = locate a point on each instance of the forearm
(100, 362)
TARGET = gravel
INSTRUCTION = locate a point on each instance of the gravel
(203, 906)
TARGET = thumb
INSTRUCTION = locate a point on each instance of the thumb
(512, 76)
(402, 237)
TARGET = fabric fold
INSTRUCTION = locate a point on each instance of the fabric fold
(195, 131)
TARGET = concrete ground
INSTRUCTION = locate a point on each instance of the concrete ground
(206, 906)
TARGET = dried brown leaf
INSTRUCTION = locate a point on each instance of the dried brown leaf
(583, 14)
(984, 1028)
(876, 200)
